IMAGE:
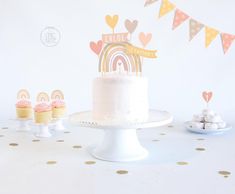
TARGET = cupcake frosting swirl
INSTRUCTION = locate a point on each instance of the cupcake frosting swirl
(58, 104)
(23, 104)
(42, 107)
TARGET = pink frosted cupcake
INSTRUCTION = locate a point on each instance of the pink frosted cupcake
(43, 110)
(23, 106)
(58, 104)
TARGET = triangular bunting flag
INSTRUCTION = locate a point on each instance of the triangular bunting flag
(179, 18)
(210, 35)
(165, 8)
(227, 40)
(149, 2)
(194, 28)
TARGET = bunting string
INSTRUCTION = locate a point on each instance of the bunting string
(194, 26)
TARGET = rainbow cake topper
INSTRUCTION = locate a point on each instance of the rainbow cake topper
(23, 94)
(117, 54)
(43, 97)
(57, 95)
(207, 96)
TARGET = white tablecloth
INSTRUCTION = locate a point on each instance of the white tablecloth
(179, 162)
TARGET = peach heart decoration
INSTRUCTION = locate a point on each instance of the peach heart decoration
(96, 47)
(145, 38)
(207, 96)
(111, 20)
(131, 25)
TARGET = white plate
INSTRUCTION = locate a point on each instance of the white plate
(206, 131)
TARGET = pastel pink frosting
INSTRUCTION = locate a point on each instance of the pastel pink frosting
(23, 104)
(42, 107)
(58, 104)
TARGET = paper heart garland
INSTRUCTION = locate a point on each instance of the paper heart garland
(145, 38)
(207, 96)
(111, 21)
(131, 25)
(96, 47)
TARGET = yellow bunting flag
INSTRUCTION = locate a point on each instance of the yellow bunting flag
(166, 7)
(210, 35)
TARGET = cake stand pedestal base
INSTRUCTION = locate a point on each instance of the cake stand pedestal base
(23, 125)
(120, 145)
(58, 125)
(43, 131)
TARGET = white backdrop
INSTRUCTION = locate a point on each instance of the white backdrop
(176, 79)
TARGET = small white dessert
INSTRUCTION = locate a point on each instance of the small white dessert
(198, 118)
(221, 125)
(207, 120)
(211, 126)
(207, 112)
(120, 98)
(197, 125)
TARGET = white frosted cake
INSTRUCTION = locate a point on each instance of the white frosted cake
(120, 98)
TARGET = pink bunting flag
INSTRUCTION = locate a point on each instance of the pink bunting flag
(227, 40)
(179, 18)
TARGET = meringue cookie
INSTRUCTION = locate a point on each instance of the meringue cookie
(207, 112)
(217, 118)
(198, 118)
(221, 125)
(211, 126)
(196, 125)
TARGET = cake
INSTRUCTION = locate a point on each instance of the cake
(42, 110)
(58, 104)
(207, 120)
(23, 106)
(120, 98)
(120, 93)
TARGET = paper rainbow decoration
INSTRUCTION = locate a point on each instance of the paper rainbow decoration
(23, 94)
(43, 97)
(113, 54)
(57, 95)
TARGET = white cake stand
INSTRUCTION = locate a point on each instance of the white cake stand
(120, 143)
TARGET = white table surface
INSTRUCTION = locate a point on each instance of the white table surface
(24, 168)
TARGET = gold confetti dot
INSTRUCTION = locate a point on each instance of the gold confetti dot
(13, 144)
(35, 140)
(4, 127)
(122, 172)
(182, 163)
(200, 139)
(90, 162)
(51, 162)
(60, 140)
(67, 132)
(155, 140)
(77, 146)
(200, 149)
(224, 173)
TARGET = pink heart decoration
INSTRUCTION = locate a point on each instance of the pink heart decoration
(96, 47)
(131, 25)
(207, 96)
(145, 38)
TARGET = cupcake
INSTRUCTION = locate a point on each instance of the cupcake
(23, 106)
(42, 110)
(58, 104)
